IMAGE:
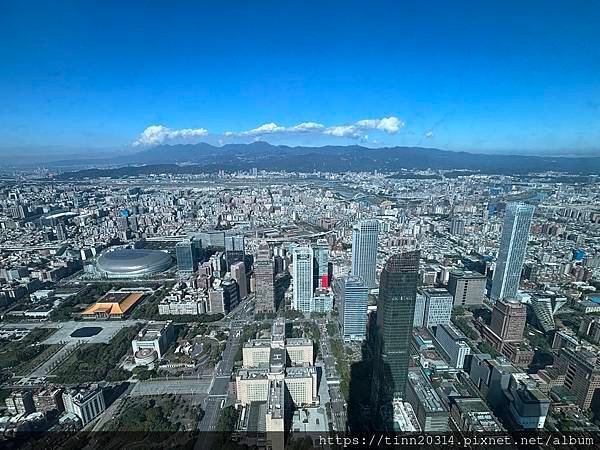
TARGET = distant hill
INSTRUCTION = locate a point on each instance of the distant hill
(264, 156)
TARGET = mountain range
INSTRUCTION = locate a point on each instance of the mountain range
(203, 157)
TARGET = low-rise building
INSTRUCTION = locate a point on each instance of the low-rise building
(454, 344)
(152, 342)
(431, 412)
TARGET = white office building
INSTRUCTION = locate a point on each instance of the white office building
(511, 254)
(364, 251)
(302, 278)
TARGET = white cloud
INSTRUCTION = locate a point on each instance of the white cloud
(159, 134)
(390, 125)
(429, 134)
(343, 131)
(307, 127)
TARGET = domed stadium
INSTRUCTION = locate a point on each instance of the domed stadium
(133, 263)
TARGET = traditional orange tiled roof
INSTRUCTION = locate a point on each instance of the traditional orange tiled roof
(114, 304)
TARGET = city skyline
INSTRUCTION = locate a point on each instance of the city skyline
(292, 225)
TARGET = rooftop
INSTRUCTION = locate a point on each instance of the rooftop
(425, 392)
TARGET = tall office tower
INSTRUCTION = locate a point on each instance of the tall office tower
(265, 286)
(508, 320)
(186, 253)
(302, 277)
(513, 243)
(457, 226)
(238, 273)
(438, 307)
(234, 250)
(321, 250)
(395, 313)
(364, 251)
(352, 295)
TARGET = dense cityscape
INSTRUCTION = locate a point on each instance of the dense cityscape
(268, 305)
(283, 225)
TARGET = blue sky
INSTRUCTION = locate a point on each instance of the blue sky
(506, 77)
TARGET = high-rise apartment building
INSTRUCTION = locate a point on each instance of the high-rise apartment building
(395, 315)
(302, 277)
(352, 296)
(265, 286)
(457, 226)
(364, 251)
(511, 254)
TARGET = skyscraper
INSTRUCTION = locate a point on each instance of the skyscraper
(513, 243)
(395, 313)
(234, 250)
(265, 287)
(186, 253)
(302, 277)
(364, 251)
(238, 273)
(321, 250)
(352, 295)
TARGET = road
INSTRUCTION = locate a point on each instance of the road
(337, 401)
(220, 385)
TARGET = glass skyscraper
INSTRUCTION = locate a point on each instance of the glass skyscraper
(265, 288)
(321, 250)
(364, 251)
(395, 314)
(352, 295)
(302, 275)
(234, 250)
(186, 253)
(513, 243)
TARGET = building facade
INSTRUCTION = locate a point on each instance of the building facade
(352, 296)
(302, 278)
(395, 315)
(364, 251)
(265, 283)
(438, 307)
(511, 254)
(467, 287)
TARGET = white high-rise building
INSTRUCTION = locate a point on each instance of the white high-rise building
(302, 275)
(364, 251)
(515, 234)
